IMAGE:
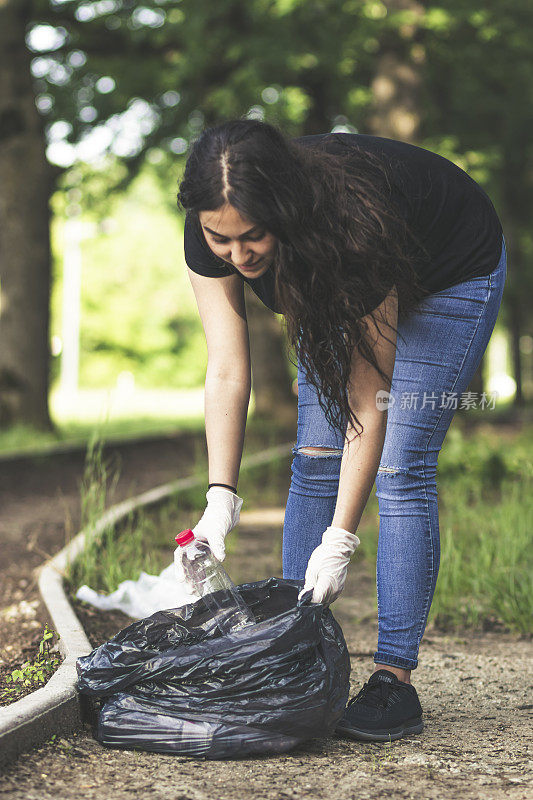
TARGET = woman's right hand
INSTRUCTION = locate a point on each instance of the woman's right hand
(219, 518)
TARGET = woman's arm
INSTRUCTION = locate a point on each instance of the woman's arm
(222, 310)
(361, 455)
(226, 410)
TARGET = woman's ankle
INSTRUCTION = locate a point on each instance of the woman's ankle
(402, 674)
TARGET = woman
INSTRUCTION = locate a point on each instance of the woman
(388, 263)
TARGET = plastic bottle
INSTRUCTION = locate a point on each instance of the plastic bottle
(208, 578)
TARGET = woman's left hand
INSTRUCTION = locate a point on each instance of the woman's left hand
(328, 565)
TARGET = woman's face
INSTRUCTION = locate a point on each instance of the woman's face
(245, 245)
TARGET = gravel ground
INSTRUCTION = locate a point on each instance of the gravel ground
(474, 689)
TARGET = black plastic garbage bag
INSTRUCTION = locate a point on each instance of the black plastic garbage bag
(176, 685)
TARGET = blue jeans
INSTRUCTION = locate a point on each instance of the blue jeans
(439, 346)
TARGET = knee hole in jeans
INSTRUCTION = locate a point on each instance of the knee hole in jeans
(318, 451)
(392, 470)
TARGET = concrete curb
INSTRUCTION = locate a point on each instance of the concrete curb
(56, 708)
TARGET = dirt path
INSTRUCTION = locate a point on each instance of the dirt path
(40, 509)
(475, 692)
(40, 498)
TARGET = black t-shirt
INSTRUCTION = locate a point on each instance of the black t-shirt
(450, 213)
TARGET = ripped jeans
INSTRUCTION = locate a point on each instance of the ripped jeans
(439, 346)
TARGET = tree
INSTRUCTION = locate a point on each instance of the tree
(136, 75)
(271, 380)
(459, 80)
(396, 110)
(480, 70)
(141, 79)
(25, 180)
(145, 79)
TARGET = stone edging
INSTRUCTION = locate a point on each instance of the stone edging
(56, 708)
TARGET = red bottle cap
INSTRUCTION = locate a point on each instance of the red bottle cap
(185, 537)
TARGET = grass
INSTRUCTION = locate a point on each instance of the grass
(380, 755)
(486, 516)
(145, 541)
(109, 559)
(23, 438)
(111, 415)
(487, 565)
(34, 673)
(485, 490)
(112, 557)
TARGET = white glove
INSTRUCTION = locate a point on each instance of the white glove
(328, 565)
(219, 518)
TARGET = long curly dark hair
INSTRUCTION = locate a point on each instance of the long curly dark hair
(340, 239)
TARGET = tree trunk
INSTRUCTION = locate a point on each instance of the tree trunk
(516, 208)
(397, 84)
(25, 184)
(395, 109)
(319, 118)
(515, 326)
(477, 384)
(271, 381)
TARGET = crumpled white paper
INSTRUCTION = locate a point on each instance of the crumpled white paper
(143, 597)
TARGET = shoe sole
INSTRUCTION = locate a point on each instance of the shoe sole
(411, 726)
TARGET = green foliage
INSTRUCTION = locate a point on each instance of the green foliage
(110, 558)
(138, 310)
(484, 457)
(140, 544)
(143, 69)
(23, 438)
(105, 560)
(382, 756)
(94, 487)
(34, 673)
(487, 559)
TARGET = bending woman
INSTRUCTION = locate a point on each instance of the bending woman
(388, 264)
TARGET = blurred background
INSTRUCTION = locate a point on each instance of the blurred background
(100, 102)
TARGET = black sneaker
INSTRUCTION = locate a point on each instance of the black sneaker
(385, 708)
